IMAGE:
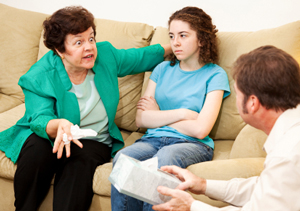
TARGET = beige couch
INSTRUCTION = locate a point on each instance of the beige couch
(238, 147)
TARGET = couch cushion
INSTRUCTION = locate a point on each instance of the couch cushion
(10, 117)
(101, 184)
(132, 138)
(122, 35)
(7, 167)
(231, 46)
(20, 34)
(8, 102)
(222, 149)
(249, 143)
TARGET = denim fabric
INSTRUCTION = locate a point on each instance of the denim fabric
(169, 151)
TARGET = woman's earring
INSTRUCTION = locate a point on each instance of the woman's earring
(62, 57)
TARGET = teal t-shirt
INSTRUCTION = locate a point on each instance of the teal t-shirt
(176, 88)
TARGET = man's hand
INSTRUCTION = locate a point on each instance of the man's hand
(181, 200)
(190, 181)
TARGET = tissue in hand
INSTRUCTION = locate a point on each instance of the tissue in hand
(78, 133)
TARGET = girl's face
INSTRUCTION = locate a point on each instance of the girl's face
(184, 41)
(81, 51)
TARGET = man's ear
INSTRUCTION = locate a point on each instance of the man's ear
(253, 104)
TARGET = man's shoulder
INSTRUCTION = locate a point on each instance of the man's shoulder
(287, 145)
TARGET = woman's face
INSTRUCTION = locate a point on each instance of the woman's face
(184, 41)
(81, 51)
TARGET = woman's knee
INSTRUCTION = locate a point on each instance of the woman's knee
(140, 151)
(168, 157)
(181, 155)
(36, 151)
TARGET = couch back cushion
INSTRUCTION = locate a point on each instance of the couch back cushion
(234, 44)
(19, 40)
(122, 35)
(231, 46)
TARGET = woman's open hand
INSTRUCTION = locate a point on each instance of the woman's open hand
(64, 126)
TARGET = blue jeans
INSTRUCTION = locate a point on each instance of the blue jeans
(169, 151)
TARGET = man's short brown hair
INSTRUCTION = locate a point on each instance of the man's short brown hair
(272, 75)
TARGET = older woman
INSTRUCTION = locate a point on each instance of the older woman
(75, 83)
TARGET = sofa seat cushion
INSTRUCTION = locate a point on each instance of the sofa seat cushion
(7, 167)
(228, 169)
(101, 184)
(132, 138)
(222, 149)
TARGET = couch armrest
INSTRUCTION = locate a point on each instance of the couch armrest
(249, 143)
(101, 184)
(7, 167)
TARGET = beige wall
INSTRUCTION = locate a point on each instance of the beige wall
(228, 15)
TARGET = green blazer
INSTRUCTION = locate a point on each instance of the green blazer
(46, 88)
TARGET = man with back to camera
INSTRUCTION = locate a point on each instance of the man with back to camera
(267, 85)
